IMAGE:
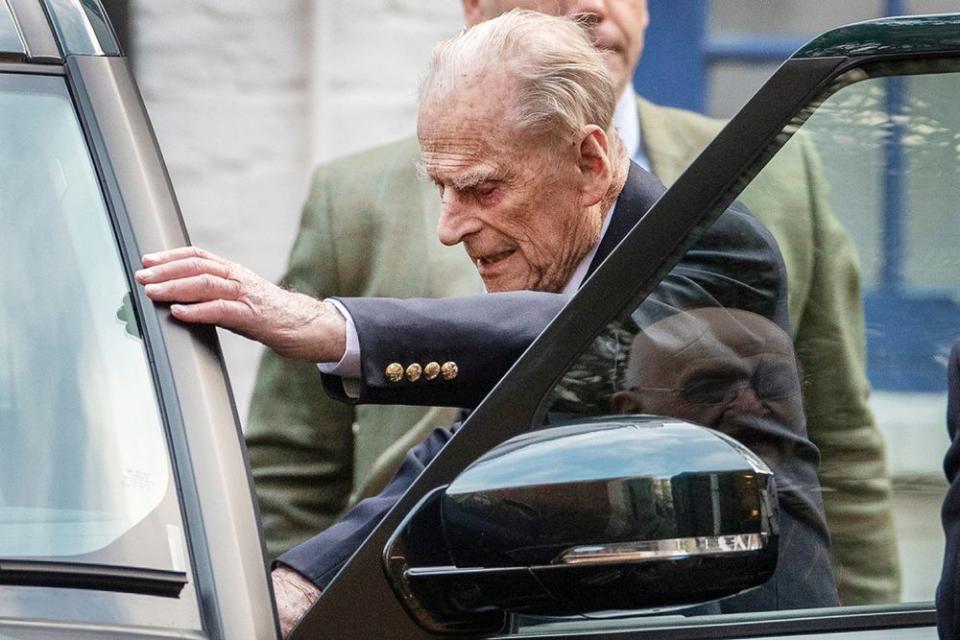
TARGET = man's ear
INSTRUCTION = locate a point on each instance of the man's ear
(594, 163)
(625, 402)
(472, 12)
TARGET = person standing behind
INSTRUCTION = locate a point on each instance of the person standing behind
(368, 229)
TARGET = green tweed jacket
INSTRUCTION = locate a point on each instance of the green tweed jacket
(369, 229)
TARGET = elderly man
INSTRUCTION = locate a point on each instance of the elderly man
(538, 190)
(369, 229)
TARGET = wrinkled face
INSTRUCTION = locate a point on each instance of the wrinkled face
(714, 367)
(514, 202)
(617, 26)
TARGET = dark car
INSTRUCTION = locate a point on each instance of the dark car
(126, 504)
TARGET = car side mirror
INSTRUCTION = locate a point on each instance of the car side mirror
(618, 513)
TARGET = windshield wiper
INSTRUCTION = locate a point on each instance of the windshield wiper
(73, 575)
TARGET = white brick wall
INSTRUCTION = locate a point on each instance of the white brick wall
(246, 96)
(369, 58)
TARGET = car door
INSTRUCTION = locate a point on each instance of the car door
(126, 507)
(869, 111)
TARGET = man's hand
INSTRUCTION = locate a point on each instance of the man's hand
(294, 595)
(210, 290)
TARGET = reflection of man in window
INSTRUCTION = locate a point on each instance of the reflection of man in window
(713, 366)
(735, 371)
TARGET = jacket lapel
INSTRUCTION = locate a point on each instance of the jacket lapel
(640, 192)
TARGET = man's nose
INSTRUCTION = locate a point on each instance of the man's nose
(746, 402)
(457, 221)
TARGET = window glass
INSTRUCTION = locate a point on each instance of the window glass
(859, 198)
(890, 148)
(84, 470)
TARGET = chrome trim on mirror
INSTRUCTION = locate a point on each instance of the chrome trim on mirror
(660, 549)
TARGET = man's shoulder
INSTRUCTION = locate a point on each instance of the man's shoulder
(673, 138)
(391, 161)
(677, 120)
(687, 133)
(780, 195)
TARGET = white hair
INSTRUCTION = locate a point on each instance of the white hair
(561, 82)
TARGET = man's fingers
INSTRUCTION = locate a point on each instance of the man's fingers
(162, 257)
(294, 595)
(200, 288)
(182, 268)
(206, 289)
(228, 314)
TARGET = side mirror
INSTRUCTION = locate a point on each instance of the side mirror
(622, 513)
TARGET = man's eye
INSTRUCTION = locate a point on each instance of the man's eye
(486, 189)
(439, 186)
(711, 389)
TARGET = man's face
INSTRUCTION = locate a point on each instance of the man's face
(617, 26)
(514, 202)
(714, 367)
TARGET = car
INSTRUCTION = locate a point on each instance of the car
(126, 503)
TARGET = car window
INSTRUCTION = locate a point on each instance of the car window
(85, 475)
(859, 194)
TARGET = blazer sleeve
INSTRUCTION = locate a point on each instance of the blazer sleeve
(481, 336)
(320, 558)
(830, 344)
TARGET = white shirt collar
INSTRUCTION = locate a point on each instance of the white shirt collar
(581, 272)
(628, 127)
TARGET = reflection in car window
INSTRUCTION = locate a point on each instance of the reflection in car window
(873, 171)
(888, 147)
(83, 458)
(711, 345)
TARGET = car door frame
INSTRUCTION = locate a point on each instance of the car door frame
(214, 484)
(207, 448)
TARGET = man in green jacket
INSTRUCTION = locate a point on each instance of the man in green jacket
(369, 229)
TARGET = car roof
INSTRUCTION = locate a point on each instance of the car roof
(897, 35)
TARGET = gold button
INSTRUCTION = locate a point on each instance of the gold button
(394, 372)
(431, 371)
(413, 372)
(449, 370)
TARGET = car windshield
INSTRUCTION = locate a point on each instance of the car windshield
(85, 475)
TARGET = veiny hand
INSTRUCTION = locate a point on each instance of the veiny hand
(294, 595)
(207, 289)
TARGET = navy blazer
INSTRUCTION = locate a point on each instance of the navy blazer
(948, 591)
(736, 264)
